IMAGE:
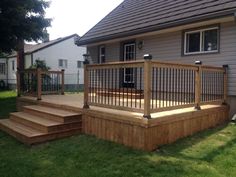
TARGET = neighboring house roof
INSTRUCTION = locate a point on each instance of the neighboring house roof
(134, 17)
(31, 48)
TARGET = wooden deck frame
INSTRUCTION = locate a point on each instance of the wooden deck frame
(130, 128)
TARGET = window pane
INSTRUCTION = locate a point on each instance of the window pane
(13, 65)
(2, 68)
(80, 64)
(60, 63)
(193, 42)
(102, 54)
(210, 40)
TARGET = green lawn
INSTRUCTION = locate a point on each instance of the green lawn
(7, 103)
(211, 153)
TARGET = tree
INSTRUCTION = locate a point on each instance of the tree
(21, 20)
(40, 64)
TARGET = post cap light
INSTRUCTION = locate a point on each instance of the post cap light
(198, 62)
(225, 66)
(147, 57)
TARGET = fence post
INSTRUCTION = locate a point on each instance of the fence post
(198, 88)
(147, 86)
(39, 84)
(18, 84)
(62, 81)
(225, 84)
(86, 84)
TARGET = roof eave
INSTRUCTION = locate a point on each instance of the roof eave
(157, 27)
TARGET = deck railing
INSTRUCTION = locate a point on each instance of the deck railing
(37, 82)
(153, 86)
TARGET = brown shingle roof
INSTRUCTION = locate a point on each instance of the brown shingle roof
(138, 16)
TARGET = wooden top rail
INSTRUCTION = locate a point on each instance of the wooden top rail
(140, 63)
(123, 64)
(173, 65)
(213, 69)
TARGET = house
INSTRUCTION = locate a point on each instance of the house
(184, 85)
(58, 54)
(175, 31)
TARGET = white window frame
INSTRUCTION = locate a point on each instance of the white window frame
(130, 44)
(3, 69)
(100, 53)
(82, 65)
(201, 41)
(64, 63)
(13, 67)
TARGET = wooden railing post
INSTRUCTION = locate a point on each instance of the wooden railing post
(86, 85)
(147, 86)
(225, 84)
(198, 88)
(39, 84)
(62, 81)
(18, 84)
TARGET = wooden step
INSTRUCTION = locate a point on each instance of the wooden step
(53, 113)
(19, 131)
(29, 135)
(42, 124)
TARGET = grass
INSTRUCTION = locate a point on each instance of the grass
(208, 154)
(7, 103)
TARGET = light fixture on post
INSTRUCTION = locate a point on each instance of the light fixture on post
(198, 62)
(147, 57)
(140, 45)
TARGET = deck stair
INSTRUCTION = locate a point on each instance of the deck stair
(37, 124)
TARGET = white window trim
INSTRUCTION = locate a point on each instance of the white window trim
(4, 69)
(131, 44)
(100, 53)
(64, 61)
(82, 65)
(201, 42)
(13, 65)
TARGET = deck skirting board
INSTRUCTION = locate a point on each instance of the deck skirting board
(159, 131)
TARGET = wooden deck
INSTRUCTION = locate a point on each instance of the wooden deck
(130, 128)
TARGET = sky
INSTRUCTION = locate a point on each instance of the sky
(77, 16)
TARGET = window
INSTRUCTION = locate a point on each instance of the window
(2, 68)
(13, 65)
(201, 41)
(129, 55)
(80, 64)
(102, 54)
(62, 63)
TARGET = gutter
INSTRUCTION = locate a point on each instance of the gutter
(166, 25)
